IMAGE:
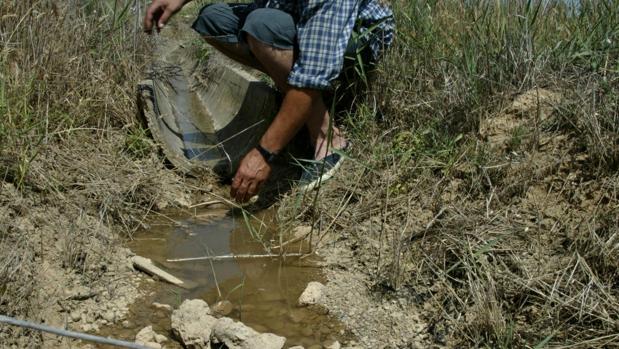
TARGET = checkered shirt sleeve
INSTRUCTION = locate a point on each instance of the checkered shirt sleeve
(323, 30)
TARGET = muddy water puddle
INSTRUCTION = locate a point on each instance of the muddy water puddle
(262, 292)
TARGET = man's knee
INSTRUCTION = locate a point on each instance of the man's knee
(217, 21)
(272, 27)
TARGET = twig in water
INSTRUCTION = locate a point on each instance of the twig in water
(208, 203)
(231, 256)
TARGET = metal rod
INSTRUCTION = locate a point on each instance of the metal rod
(72, 334)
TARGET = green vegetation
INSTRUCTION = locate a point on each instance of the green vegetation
(488, 191)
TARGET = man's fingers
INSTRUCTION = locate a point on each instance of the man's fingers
(167, 13)
(241, 193)
(234, 187)
(149, 16)
(253, 189)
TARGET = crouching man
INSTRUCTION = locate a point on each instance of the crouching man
(304, 46)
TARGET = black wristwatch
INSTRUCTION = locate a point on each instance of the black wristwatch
(267, 155)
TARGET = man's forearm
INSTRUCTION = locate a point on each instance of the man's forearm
(298, 106)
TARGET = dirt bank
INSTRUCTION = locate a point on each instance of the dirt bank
(63, 262)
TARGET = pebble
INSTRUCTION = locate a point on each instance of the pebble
(149, 337)
(162, 306)
(109, 316)
(76, 316)
(332, 345)
(312, 294)
(159, 338)
(222, 308)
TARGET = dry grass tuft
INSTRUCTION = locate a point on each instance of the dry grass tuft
(74, 164)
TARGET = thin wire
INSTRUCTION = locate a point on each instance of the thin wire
(72, 334)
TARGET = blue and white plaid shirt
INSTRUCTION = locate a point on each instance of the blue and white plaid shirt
(324, 28)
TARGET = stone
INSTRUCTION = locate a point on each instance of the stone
(159, 338)
(297, 347)
(76, 316)
(145, 335)
(236, 335)
(162, 306)
(222, 308)
(109, 316)
(312, 294)
(193, 324)
(332, 345)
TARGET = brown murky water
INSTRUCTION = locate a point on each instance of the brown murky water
(263, 292)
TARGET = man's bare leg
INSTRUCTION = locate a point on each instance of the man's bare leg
(277, 64)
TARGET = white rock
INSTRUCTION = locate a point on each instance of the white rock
(159, 338)
(76, 316)
(147, 334)
(312, 294)
(297, 347)
(162, 306)
(236, 335)
(223, 308)
(332, 345)
(192, 324)
(109, 316)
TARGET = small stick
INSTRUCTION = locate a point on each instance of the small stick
(231, 256)
(147, 266)
(209, 203)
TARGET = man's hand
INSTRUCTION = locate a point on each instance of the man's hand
(160, 11)
(251, 174)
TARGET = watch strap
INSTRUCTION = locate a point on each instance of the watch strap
(267, 155)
